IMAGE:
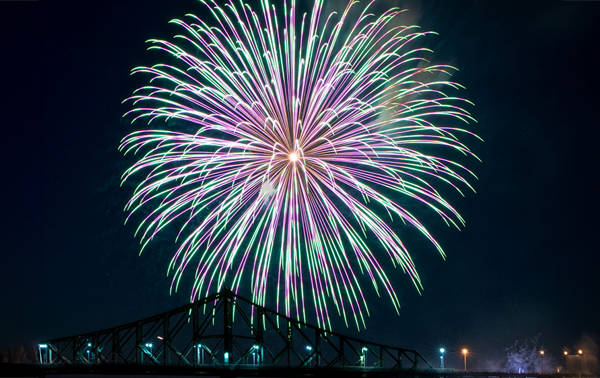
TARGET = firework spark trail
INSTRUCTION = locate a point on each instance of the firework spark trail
(301, 133)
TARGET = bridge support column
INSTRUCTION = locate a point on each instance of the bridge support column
(166, 341)
(74, 349)
(258, 328)
(116, 346)
(341, 356)
(138, 344)
(227, 324)
(317, 348)
(195, 326)
(289, 343)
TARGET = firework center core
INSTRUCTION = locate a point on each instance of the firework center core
(293, 157)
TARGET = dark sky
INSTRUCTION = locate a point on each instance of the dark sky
(526, 264)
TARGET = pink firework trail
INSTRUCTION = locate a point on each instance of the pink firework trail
(291, 148)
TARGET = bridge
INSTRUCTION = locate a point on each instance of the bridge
(227, 335)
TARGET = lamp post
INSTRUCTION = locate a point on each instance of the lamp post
(45, 354)
(542, 360)
(442, 352)
(255, 354)
(580, 354)
(465, 351)
(309, 350)
(89, 352)
(199, 354)
(363, 356)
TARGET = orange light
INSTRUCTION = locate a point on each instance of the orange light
(565, 352)
(465, 351)
(580, 352)
(542, 352)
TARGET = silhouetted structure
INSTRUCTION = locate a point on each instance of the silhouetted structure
(227, 335)
(204, 334)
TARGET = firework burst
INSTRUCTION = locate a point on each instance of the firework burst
(291, 148)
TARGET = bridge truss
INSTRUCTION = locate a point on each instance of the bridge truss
(227, 332)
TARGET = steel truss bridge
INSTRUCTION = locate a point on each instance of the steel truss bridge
(226, 335)
(220, 333)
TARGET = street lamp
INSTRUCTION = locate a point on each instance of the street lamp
(580, 354)
(255, 354)
(309, 350)
(363, 356)
(45, 354)
(465, 351)
(199, 354)
(147, 349)
(89, 351)
(442, 351)
(542, 357)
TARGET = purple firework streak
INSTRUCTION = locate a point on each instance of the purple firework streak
(290, 148)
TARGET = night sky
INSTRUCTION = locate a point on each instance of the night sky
(525, 265)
